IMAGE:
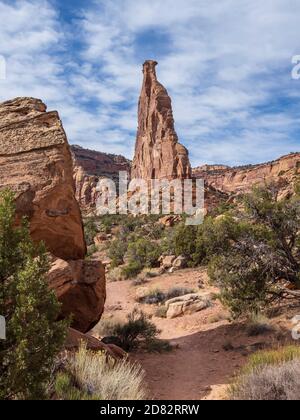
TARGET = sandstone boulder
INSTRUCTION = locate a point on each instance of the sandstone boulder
(158, 155)
(80, 287)
(188, 304)
(76, 338)
(180, 263)
(166, 262)
(35, 162)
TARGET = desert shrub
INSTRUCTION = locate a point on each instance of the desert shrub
(263, 253)
(92, 249)
(117, 251)
(132, 269)
(157, 296)
(106, 327)
(145, 252)
(90, 230)
(140, 281)
(34, 337)
(258, 325)
(184, 240)
(90, 376)
(159, 346)
(137, 332)
(272, 382)
(141, 253)
(153, 297)
(270, 375)
(157, 232)
(199, 243)
(115, 274)
(66, 390)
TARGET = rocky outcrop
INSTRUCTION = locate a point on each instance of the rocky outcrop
(89, 167)
(35, 161)
(158, 154)
(188, 304)
(80, 287)
(282, 171)
(75, 339)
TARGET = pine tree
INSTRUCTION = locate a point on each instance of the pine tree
(33, 335)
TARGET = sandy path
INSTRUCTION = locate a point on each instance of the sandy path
(200, 361)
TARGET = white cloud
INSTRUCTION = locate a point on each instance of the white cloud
(227, 66)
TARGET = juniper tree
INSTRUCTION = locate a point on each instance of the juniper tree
(34, 337)
(264, 257)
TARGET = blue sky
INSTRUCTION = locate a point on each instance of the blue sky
(226, 64)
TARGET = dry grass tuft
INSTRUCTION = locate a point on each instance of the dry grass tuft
(270, 375)
(95, 377)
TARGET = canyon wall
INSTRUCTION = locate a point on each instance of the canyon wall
(282, 171)
(89, 167)
(158, 154)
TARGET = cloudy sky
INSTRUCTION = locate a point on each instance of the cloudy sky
(226, 63)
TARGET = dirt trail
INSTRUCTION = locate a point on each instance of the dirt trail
(199, 362)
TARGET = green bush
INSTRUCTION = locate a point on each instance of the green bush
(137, 332)
(34, 337)
(199, 243)
(144, 252)
(263, 251)
(132, 269)
(90, 230)
(117, 251)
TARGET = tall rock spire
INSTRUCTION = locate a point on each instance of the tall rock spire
(158, 154)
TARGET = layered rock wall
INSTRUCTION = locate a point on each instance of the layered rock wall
(89, 167)
(283, 171)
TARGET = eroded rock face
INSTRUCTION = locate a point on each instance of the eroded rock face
(80, 287)
(283, 172)
(158, 154)
(35, 161)
(89, 167)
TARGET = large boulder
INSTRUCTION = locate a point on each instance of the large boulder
(188, 304)
(76, 338)
(80, 287)
(36, 162)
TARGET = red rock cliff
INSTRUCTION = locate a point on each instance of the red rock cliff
(282, 171)
(36, 163)
(89, 167)
(158, 154)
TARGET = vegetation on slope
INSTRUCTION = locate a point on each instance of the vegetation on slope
(34, 337)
